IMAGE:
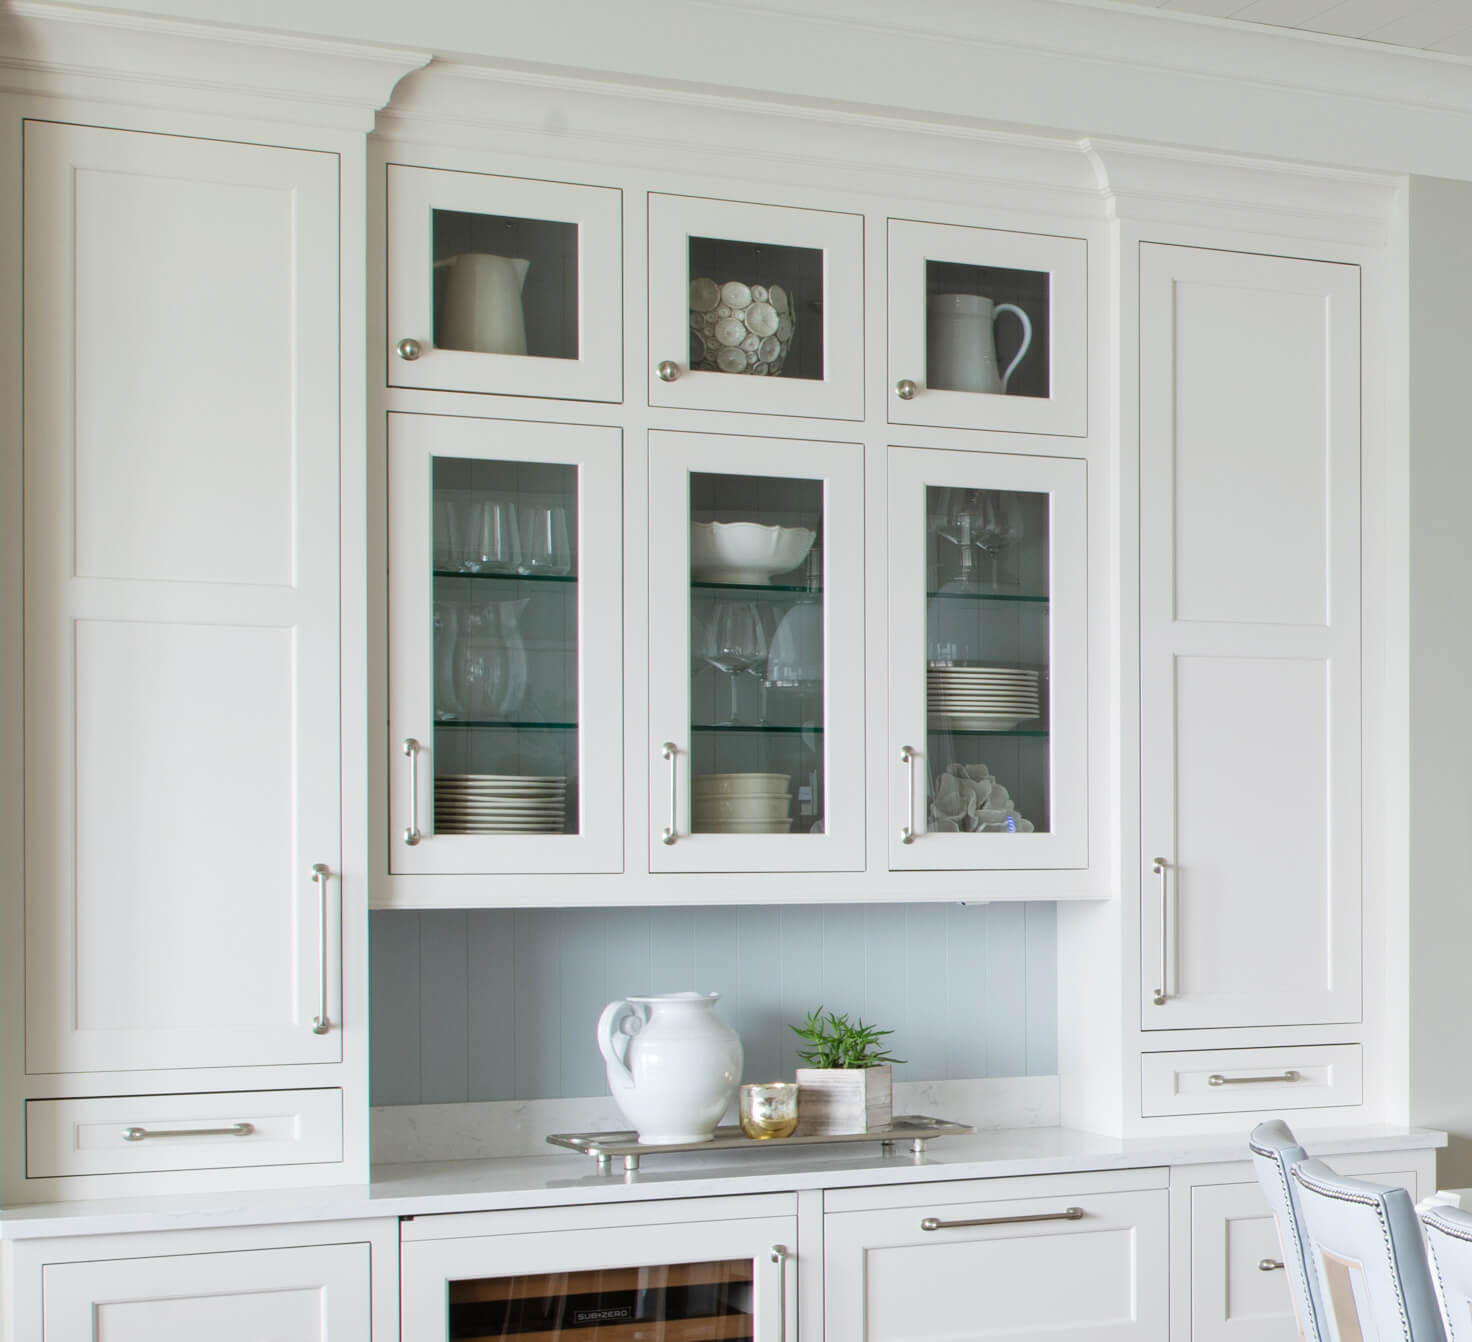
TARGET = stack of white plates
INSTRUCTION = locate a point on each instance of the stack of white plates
(981, 698)
(500, 804)
(741, 804)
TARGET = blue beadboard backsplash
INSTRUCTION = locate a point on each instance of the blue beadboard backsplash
(501, 1004)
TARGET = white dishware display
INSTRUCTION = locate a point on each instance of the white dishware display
(961, 345)
(740, 328)
(482, 311)
(500, 804)
(742, 827)
(747, 553)
(751, 803)
(763, 806)
(739, 785)
(673, 1065)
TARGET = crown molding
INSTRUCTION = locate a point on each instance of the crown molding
(71, 51)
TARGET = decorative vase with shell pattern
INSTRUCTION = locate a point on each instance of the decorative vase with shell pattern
(740, 328)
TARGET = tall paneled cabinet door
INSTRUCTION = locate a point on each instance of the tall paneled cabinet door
(182, 759)
(317, 1293)
(1249, 639)
(756, 704)
(505, 638)
(987, 755)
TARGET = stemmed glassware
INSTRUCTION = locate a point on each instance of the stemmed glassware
(738, 642)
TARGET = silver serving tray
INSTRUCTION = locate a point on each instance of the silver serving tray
(916, 1129)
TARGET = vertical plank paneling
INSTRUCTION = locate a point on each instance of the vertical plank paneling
(842, 970)
(968, 932)
(921, 1037)
(717, 961)
(1042, 989)
(759, 986)
(444, 1056)
(394, 1007)
(584, 995)
(799, 957)
(537, 1023)
(491, 1004)
(1006, 989)
(672, 950)
(886, 988)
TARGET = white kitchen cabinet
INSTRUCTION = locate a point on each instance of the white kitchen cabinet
(704, 1268)
(505, 646)
(182, 749)
(1249, 639)
(756, 599)
(1064, 1256)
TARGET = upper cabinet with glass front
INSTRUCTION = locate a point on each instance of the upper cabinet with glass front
(987, 329)
(755, 308)
(500, 284)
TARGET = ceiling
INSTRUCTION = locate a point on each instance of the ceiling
(1427, 25)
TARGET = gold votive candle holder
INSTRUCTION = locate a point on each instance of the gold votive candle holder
(768, 1109)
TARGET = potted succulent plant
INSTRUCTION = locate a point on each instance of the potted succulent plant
(848, 1085)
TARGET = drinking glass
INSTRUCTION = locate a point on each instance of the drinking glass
(448, 531)
(494, 540)
(768, 1109)
(544, 543)
(739, 642)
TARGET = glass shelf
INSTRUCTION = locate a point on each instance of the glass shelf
(755, 589)
(509, 726)
(987, 596)
(506, 577)
(755, 729)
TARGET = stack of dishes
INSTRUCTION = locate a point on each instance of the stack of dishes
(741, 804)
(980, 698)
(500, 804)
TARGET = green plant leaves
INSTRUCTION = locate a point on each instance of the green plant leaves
(837, 1042)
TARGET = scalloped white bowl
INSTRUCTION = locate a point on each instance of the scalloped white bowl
(746, 552)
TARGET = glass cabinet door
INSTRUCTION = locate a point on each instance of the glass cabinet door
(755, 308)
(987, 329)
(987, 563)
(756, 654)
(500, 284)
(504, 646)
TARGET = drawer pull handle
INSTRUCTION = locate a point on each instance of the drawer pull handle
(671, 831)
(1160, 865)
(1269, 1265)
(320, 1022)
(234, 1130)
(779, 1255)
(411, 749)
(908, 755)
(1217, 1079)
(1070, 1214)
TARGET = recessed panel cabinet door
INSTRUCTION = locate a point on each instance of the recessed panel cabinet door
(182, 660)
(1249, 639)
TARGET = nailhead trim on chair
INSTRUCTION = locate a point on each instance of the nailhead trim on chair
(1366, 1200)
(1297, 1254)
(1431, 1219)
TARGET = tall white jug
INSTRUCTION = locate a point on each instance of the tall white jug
(482, 303)
(961, 346)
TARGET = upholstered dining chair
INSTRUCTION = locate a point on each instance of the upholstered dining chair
(1275, 1150)
(1365, 1243)
(1449, 1248)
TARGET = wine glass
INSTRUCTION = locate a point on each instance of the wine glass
(739, 641)
(1000, 527)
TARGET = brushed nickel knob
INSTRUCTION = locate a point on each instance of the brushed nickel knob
(667, 369)
(905, 389)
(408, 350)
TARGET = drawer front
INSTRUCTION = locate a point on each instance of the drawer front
(1233, 1299)
(131, 1134)
(1238, 1080)
(1103, 1275)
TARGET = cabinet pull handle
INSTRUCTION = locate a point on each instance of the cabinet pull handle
(667, 370)
(669, 750)
(234, 1130)
(907, 758)
(779, 1255)
(1217, 1079)
(408, 350)
(1068, 1214)
(905, 389)
(1159, 868)
(411, 749)
(321, 1022)
(1269, 1265)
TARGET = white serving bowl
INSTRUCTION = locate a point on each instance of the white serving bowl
(746, 552)
(740, 785)
(763, 807)
(742, 826)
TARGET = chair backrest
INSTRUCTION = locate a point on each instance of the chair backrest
(1274, 1151)
(1366, 1246)
(1449, 1247)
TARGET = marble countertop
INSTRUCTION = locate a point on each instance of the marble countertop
(568, 1179)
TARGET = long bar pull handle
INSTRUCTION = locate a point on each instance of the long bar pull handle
(1159, 868)
(234, 1130)
(669, 750)
(320, 1022)
(411, 749)
(779, 1256)
(1069, 1214)
(1269, 1265)
(1217, 1079)
(907, 758)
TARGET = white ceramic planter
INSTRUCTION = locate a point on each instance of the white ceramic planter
(836, 1100)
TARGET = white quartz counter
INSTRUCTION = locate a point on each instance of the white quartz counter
(567, 1179)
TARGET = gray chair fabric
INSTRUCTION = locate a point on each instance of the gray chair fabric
(1365, 1243)
(1274, 1151)
(1449, 1248)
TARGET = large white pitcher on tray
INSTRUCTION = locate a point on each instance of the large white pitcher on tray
(673, 1064)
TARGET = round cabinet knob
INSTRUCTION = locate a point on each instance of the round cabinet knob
(667, 369)
(905, 389)
(408, 350)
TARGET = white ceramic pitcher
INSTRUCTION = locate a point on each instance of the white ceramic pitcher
(673, 1064)
(482, 303)
(961, 346)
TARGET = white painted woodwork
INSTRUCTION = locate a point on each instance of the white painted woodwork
(1103, 1276)
(1299, 1076)
(316, 1293)
(1064, 842)
(442, 1249)
(413, 196)
(839, 393)
(183, 766)
(1065, 261)
(89, 1136)
(1249, 638)
(414, 443)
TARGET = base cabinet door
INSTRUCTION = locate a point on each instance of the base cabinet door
(1061, 1260)
(320, 1293)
